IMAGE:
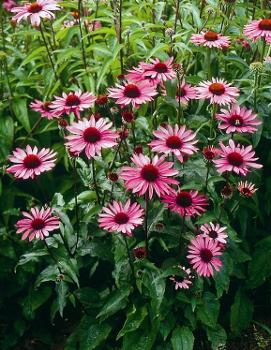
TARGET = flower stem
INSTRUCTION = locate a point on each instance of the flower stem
(95, 181)
(48, 52)
(66, 245)
(115, 155)
(176, 15)
(212, 121)
(207, 176)
(146, 223)
(120, 36)
(76, 204)
(53, 257)
(256, 79)
(208, 63)
(130, 259)
(81, 34)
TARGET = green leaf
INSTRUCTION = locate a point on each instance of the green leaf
(241, 312)
(259, 268)
(208, 312)
(88, 335)
(133, 321)
(182, 339)
(71, 269)
(156, 285)
(116, 301)
(217, 337)
(222, 279)
(33, 257)
(62, 290)
(48, 274)
(6, 136)
(19, 107)
(89, 297)
(141, 339)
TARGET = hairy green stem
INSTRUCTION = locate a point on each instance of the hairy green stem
(95, 181)
(48, 52)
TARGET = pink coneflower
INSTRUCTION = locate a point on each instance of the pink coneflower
(37, 224)
(244, 43)
(94, 25)
(176, 140)
(43, 108)
(31, 162)
(149, 175)
(238, 120)
(236, 158)
(203, 254)
(184, 281)
(9, 4)
(258, 29)
(185, 93)
(118, 217)
(186, 202)
(159, 70)
(137, 74)
(134, 93)
(211, 39)
(214, 231)
(217, 91)
(36, 11)
(210, 152)
(227, 191)
(74, 102)
(91, 136)
(140, 252)
(246, 189)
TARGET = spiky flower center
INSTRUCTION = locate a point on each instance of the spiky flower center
(184, 199)
(72, 100)
(265, 24)
(217, 89)
(46, 107)
(34, 8)
(210, 36)
(121, 218)
(92, 135)
(206, 255)
(132, 91)
(174, 142)
(160, 67)
(236, 120)
(235, 159)
(150, 173)
(38, 224)
(213, 234)
(181, 92)
(32, 161)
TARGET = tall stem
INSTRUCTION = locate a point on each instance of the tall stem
(207, 176)
(48, 52)
(53, 257)
(95, 181)
(212, 122)
(146, 223)
(81, 34)
(176, 15)
(120, 36)
(66, 245)
(76, 204)
(5, 57)
(130, 259)
(256, 78)
(208, 63)
(115, 155)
